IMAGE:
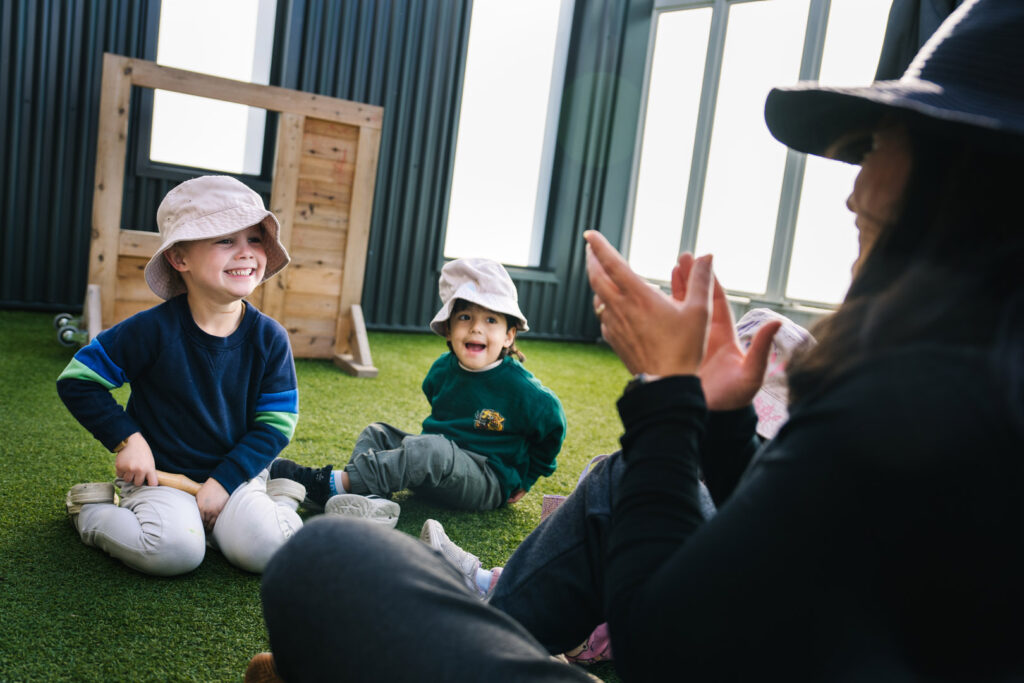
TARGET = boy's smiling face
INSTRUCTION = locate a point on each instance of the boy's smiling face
(226, 268)
(478, 335)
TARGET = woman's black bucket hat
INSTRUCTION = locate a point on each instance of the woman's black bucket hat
(967, 79)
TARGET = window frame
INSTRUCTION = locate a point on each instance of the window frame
(774, 296)
(541, 245)
(145, 167)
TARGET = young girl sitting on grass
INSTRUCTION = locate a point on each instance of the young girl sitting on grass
(493, 429)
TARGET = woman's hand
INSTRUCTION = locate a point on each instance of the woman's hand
(134, 463)
(211, 498)
(729, 376)
(651, 332)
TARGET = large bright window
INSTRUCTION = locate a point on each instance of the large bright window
(515, 66)
(825, 244)
(673, 101)
(763, 45)
(711, 178)
(229, 38)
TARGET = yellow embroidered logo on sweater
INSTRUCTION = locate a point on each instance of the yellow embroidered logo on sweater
(490, 420)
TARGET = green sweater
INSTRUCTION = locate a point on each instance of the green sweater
(503, 413)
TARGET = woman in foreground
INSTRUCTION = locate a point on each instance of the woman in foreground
(879, 536)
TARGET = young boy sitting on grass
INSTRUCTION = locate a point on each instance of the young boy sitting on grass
(213, 397)
(493, 429)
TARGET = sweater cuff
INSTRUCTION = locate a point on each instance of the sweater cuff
(664, 397)
(742, 420)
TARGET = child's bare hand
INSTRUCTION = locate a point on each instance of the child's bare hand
(211, 499)
(134, 463)
(516, 496)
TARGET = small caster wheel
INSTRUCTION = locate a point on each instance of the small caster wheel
(62, 320)
(70, 336)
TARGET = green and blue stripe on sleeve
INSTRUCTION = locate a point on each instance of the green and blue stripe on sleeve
(92, 364)
(279, 410)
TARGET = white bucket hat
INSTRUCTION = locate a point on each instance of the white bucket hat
(479, 281)
(203, 208)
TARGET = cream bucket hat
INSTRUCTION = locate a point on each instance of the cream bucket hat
(479, 281)
(206, 207)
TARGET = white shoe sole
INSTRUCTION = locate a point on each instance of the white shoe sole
(380, 510)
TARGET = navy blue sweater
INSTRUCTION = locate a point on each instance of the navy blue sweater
(220, 407)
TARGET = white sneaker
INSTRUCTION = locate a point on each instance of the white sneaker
(286, 492)
(373, 508)
(433, 535)
(86, 494)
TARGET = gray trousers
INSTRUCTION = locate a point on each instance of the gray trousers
(385, 460)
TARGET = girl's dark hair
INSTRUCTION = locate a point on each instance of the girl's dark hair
(949, 270)
(511, 321)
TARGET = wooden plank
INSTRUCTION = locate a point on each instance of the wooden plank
(111, 143)
(335, 214)
(324, 147)
(317, 258)
(328, 170)
(312, 326)
(151, 75)
(311, 337)
(312, 237)
(271, 298)
(333, 129)
(312, 190)
(131, 282)
(322, 281)
(358, 234)
(306, 346)
(301, 305)
(138, 243)
(321, 221)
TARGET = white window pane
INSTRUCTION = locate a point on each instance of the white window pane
(763, 47)
(825, 244)
(500, 149)
(228, 38)
(673, 98)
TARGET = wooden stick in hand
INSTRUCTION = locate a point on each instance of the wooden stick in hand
(178, 481)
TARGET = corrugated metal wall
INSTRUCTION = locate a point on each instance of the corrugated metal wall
(404, 55)
(50, 54)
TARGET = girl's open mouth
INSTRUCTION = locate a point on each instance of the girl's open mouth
(241, 272)
(476, 348)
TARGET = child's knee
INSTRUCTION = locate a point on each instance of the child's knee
(249, 543)
(177, 550)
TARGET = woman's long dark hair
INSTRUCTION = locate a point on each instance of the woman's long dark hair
(949, 270)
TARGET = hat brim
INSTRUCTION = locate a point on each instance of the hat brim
(810, 118)
(167, 283)
(469, 292)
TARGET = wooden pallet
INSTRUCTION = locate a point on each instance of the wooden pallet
(325, 168)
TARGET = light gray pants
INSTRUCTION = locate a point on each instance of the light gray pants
(386, 460)
(158, 529)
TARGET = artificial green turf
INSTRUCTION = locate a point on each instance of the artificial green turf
(70, 612)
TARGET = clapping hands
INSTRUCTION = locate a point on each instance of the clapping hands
(690, 332)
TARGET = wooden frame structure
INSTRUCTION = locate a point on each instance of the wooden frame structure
(325, 168)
